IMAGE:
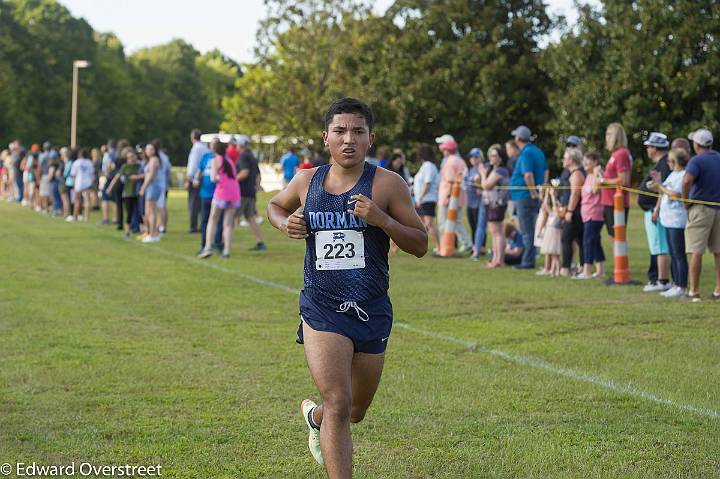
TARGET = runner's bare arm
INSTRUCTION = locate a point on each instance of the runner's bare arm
(282, 208)
(400, 222)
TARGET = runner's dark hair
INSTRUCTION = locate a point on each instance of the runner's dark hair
(349, 105)
(220, 149)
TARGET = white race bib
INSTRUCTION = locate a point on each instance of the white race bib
(339, 249)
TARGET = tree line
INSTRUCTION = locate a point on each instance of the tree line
(478, 68)
(159, 92)
(473, 68)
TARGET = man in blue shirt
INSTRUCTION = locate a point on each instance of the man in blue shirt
(530, 171)
(702, 183)
(204, 184)
(289, 162)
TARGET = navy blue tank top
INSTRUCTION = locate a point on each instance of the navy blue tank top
(327, 212)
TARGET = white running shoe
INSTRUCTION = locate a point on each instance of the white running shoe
(259, 219)
(464, 248)
(314, 436)
(150, 239)
(244, 223)
(674, 292)
(656, 287)
(69, 219)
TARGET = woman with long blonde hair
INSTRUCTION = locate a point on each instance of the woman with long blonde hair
(617, 173)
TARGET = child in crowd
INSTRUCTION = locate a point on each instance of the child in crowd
(514, 244)
(673, 216)
(551, 245)
(591, 210)
(540, 231)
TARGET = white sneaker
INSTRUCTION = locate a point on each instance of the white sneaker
(314, 436)
(150, 239)
(81, 218)
(674, 292)
(69, 219)
(38, 209)
(656, 287)
(464, 248)
(244, 223)
(259, 219)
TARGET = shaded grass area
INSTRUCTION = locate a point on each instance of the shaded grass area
(116, 352)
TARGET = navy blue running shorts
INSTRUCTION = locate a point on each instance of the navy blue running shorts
(366, 324)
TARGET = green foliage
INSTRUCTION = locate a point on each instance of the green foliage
(473, 68)
(650, 64)
(162, 92)
(425, 68)
(302, 46)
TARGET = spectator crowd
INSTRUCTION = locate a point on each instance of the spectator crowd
(508, 197)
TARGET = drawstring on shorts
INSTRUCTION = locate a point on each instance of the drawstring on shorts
(345, 307)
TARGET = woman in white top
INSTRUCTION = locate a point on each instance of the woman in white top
(673, 216)
(83, 174)
(425, 190)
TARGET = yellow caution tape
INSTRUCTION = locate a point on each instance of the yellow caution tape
(605, 187)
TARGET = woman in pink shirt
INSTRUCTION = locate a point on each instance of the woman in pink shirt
(591, 211)
(617, 172)
(226, 200)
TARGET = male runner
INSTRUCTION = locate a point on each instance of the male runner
(346, 212)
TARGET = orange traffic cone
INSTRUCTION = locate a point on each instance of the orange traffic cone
(620, 248)
(447, 244)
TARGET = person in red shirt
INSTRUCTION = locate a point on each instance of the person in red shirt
(617, 172)
(232, 150)
(453, 168)
(307, 162)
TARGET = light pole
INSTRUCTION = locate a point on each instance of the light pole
(77, 64)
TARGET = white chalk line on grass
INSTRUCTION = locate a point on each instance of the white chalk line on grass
(625, 389)
(608, 384)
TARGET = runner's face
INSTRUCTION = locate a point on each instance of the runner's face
(348, 139)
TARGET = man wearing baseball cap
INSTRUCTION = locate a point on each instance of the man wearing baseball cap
(530, 171)
(443, 139)
(656, 145)
(702, 183)
(573, 141)
(453, 167)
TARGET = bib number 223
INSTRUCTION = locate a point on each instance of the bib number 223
(339, 249)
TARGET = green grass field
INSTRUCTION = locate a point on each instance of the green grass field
(115, 352)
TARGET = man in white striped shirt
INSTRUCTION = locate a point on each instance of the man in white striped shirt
(198, 150)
